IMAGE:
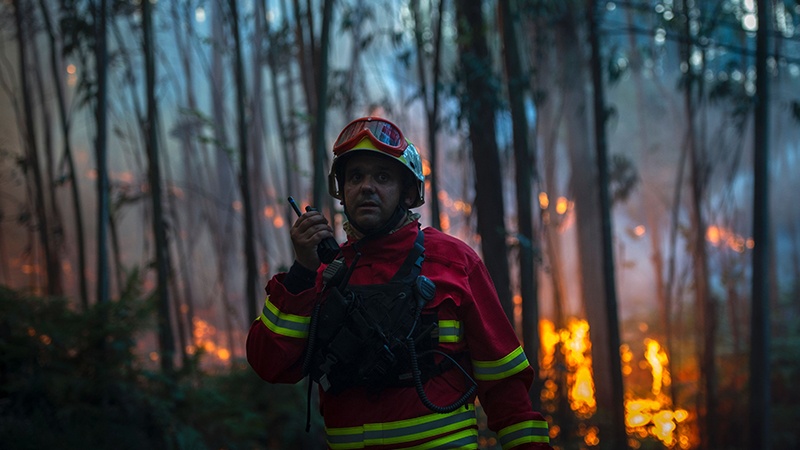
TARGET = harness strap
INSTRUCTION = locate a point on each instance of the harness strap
(412, 266)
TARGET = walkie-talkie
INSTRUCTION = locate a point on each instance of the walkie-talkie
(328, 248)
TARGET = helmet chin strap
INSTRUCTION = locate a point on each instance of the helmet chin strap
(399, 213)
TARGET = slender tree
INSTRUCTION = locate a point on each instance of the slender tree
(305, 51)
(698, 174)
(573, 79)
(55, 231)
(101, 151)
(525, 171)
(32, 163)
(165, 336)
(617, 431)
(479, 100)
(429, 91)
(760, 318)
(244, 168)
(320, 113)
(64, 121)
(525, 177)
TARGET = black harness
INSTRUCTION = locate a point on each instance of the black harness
(361, 333)
(376, 336)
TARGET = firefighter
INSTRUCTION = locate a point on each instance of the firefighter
(404, 328)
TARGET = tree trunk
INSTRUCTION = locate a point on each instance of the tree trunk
(166, 338)
(304, 46)
(430, 100)
(284, 124)
(101, 151)
(619, 438)
(32, 153)
(248, 244)
(525, 172)
(55, 231)
(706, 311)
(321, 110)
(760, 317)
(479, 102)
(68, 158)
(583, 185)
(244, 171)
(187, 132)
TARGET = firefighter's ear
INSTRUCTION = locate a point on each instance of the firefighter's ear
(409, 192)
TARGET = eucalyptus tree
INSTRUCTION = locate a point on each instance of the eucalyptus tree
(760, 317)
(248, 243)
(166, 337)
(32, 163)
(525, 168)
(600, 115)
(278, 60)
(430, 89)
(100, 14)
(693, 88)
(321, 109)
(68, 158)
(41, 96)
(479, 103)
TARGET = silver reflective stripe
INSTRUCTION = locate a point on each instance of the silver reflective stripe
(450, 331)
(285, 324)
(407, 430)
(524, 432)
(507, 366)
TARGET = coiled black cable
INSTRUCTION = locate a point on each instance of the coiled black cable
(412, 349)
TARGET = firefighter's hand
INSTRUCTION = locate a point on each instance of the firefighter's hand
(307, 232)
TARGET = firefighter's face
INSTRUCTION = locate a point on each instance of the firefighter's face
(373, 186)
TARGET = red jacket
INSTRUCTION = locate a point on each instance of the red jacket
(471, 322)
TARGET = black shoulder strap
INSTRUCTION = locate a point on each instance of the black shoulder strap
(409, 271)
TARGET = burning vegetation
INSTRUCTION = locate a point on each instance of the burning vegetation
(567, 367)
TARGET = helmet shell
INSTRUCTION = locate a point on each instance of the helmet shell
(410, 159)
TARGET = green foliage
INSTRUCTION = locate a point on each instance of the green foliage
(623, 177)
(72, 380)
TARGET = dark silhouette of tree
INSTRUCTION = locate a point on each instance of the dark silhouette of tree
(100, 10)
(616, 432)
(479, 101)
(429, 92)
(249, 242)
(525, 168)
(698, 178)
(32, 164)
(320, 111)
(64, 120)
(166, 339)
(760, 372)
(573, 78)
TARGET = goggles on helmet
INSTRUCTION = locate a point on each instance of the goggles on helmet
(385, 135)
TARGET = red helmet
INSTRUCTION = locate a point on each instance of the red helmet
(376, 135)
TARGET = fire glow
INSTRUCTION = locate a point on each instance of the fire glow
(651, 416)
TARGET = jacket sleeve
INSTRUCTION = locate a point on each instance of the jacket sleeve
(277, 339)
(501, 368)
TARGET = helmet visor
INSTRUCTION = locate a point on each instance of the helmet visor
(386, 136)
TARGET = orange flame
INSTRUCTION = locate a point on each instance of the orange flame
(643, 416)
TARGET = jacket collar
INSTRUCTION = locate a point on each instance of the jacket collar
(388, 247)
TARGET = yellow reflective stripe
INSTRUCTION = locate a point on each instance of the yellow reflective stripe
(504, 367)
(463, 439)
(450, 331)
(282, 323)
(403, 431)
(524, 433)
